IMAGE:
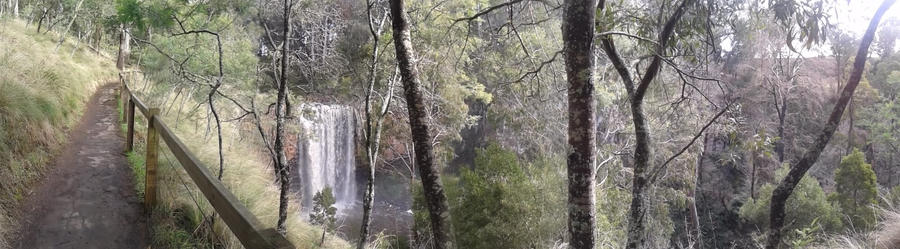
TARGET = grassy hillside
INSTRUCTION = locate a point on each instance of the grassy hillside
(179, 218)
(42, 92)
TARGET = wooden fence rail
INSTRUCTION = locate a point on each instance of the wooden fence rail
(248, 230)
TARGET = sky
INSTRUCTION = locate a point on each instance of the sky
(852, 16)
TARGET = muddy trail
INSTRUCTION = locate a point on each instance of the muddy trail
(87, 198)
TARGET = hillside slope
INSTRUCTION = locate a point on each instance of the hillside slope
(42, 93)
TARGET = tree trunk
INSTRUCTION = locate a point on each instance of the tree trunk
(41, 19)
(99, 38)
(695, 234)
(62, 36)
(787, 185)
(780, 144)
(281, 160)
(124, 48)
(322, 242)
(578, 40)
(373, 129)
(642, 153)
(753, 174)
(850, 127)
(435, 198)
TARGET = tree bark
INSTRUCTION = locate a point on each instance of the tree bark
(435, 198)
(124, 47)
(281, 160)
(642, 153)
(578, 40)
(696, 234)
(373, 127)
(322, 242)
(850, 127)
(782, 114)
(41, 19)
(787, 185)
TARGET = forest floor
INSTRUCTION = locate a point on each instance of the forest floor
(87, 199)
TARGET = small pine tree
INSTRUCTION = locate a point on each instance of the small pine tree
(856, 190)
(323, 212)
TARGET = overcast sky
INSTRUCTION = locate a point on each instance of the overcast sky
(854, 17)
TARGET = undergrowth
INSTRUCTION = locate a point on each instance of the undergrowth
(42, 93)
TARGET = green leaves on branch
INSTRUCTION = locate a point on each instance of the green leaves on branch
(805, 21)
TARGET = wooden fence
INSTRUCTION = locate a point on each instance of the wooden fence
(248, 230)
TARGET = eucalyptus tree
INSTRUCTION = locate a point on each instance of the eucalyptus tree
(280, 108)
(374, 117)
(644, 175)
(786, 186)
(435, 198)
(578, 40)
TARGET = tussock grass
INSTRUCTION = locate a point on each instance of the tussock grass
(885, 236)
(42, 92)
(248, 174)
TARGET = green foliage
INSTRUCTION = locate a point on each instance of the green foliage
(806, 235)
(856, 190)
(498, 204)
(806, 21)
(806, 207)
(502, 202)
(612, 218)
(323, 212)
(129, 12)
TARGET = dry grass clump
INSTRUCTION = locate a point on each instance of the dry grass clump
(248, 174)
(885, 236)
(42, 92)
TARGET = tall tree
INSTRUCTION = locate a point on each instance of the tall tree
(436, 200)
(798, 170)
(373, 120)
(280, 109)
(578, 40)
(124, 48)
(642, 154)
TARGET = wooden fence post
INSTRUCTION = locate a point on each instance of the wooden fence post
(122, 93)
(129, 119)
(151, 159)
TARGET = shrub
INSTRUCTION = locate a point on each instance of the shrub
(806, 208)
(856, 190)
(502, 202)
(323, 212)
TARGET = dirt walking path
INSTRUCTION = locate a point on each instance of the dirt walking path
(87, 199)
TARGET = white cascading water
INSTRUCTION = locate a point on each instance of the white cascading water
(326, 152)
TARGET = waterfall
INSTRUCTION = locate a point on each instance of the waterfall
(326, 152)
